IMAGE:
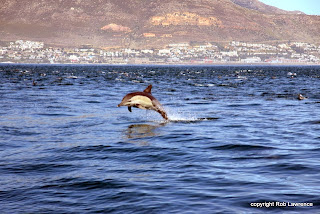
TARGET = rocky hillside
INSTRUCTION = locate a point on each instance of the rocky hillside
(151, 23)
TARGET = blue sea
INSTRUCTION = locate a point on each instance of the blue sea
(238, 139)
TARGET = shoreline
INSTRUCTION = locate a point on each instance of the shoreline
(163, 64)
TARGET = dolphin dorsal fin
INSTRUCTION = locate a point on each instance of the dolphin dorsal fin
(148, 89)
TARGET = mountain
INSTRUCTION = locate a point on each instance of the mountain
(151, 23)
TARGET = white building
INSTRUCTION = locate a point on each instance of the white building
(3, 51)
(229, 53)
(147, 51)
(251, 60)
(28, 44)
(179, 45)
(164, 52)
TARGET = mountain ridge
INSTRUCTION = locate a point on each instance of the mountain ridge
(262, 7)
(152, 23)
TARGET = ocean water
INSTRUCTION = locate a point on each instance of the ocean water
(238, 138)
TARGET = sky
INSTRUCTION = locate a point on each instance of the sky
(310, 7)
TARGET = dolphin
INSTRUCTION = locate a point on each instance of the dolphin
(143, 100)
(301, 97)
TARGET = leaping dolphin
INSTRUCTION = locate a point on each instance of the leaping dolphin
(143, 100)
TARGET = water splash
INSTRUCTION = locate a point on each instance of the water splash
(182, 117)
(176, 115)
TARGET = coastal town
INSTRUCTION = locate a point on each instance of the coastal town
(22, 51)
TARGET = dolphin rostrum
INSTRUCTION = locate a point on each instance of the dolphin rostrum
(143, 100)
